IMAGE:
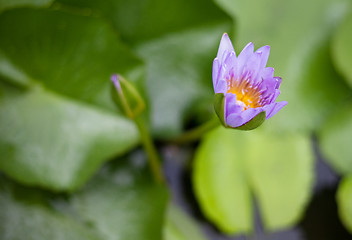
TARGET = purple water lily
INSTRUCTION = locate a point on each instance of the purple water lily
(248, 87)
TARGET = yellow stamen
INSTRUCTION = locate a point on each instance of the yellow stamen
(245, 92)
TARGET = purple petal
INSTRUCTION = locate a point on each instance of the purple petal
(230, 104)
(275, 95)
(252, 67)
(246, 53)
(270, 87)
(269, 84)
(221, 86)
(215, 72)
(238, 119)
(230, 60)
(278, 82)
(223, 70)
(267, 72)
(218, 74)
(273, 108)
(225, 46)
(115, 79)
(265, 51)
(230, 64)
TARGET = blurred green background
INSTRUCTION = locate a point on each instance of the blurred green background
(70, 163)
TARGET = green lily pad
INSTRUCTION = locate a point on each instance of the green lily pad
(230, 165)
(178, 41)
(335, 138)
(120, 202)
(59, 130)
(280, 170)
(34, 220)
(179, 226)
(344, 199)
(69, 54)
(124, 202)
(300, 54)
(215, 175)
(342, 49)
(53, 142)
(138, 21)
(8, 4)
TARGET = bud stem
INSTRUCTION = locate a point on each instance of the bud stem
(196, 133)
(149, 147)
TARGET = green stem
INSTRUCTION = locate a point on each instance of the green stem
(149, 147)
(197, 133)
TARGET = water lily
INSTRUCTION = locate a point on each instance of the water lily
(246, 90)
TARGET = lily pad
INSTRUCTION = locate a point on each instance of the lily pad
(120, 202)
(59, 130)
(69, 54)
(335, 140)
(342, 49)
(51, 141)
(344, 199)
(34, 220)
(180, 226)
(139, 21)
(230, 165)
(220, 183)
(8, 4)
(123, 201)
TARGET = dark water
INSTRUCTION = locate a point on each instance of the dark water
(320, 222)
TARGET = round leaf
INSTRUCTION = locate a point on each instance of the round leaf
(69, 54)
(53, 142)
(121, 202)
(335, 140)
(229, 165)
(344, 200)
(280, 170)
(33, 220)
(59, 131)
(220, 182)
(8, 4)
(124, 202)
(139, 21)
(342, 49)
(179, 226)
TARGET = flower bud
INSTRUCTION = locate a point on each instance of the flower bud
(126, 96)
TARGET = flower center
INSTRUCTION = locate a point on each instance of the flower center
(248, 96)
(242, 104)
